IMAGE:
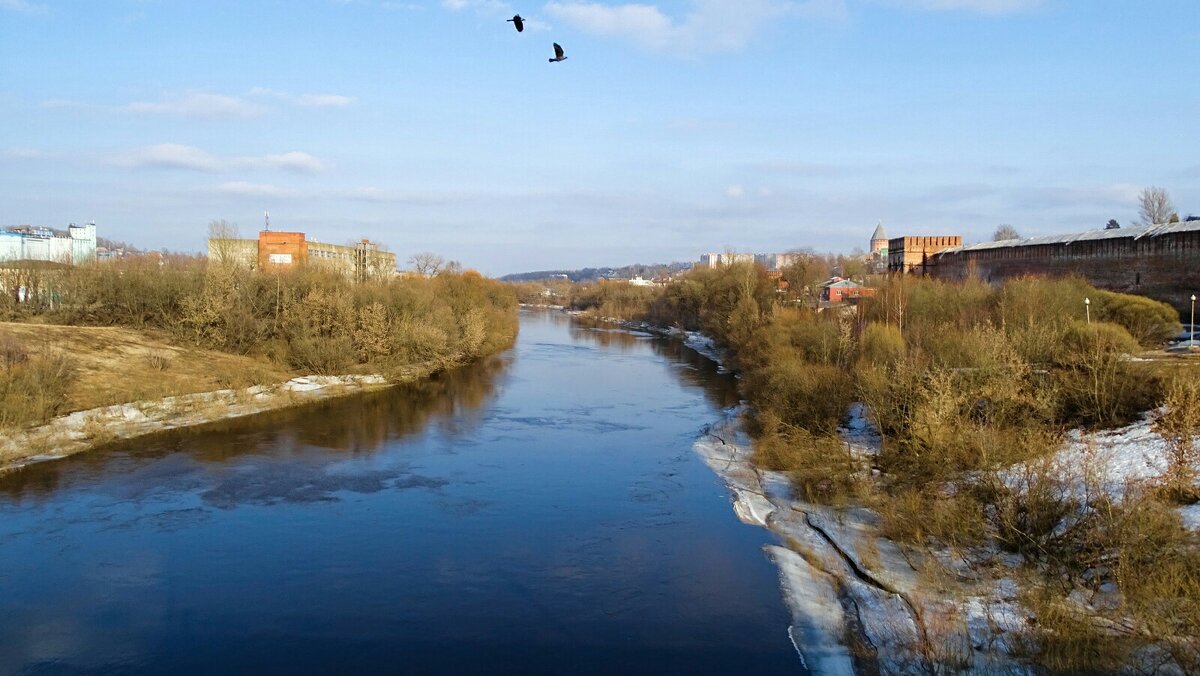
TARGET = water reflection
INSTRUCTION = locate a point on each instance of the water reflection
(542, 512)
(356, 425)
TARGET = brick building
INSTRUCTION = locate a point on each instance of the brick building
(839, 290)
(276, 249)
(1159, 261)
(281, 249)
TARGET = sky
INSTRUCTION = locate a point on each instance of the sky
(673, 128)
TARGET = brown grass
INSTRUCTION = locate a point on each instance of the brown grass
(118, 365)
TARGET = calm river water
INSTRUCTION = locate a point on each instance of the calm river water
(542, 512)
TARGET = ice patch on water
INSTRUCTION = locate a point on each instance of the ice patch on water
(818, 619)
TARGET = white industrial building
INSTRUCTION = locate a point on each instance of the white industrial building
(42, 244)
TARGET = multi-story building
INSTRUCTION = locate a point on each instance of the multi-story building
(26, 243)
(280, 250)
(716, 260)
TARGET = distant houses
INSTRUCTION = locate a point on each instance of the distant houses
(769, 261)
(29, 243)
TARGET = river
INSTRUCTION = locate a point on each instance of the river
(539, 512)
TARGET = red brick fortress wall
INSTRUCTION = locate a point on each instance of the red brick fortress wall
(1161, 262)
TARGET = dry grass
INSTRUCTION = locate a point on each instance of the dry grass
(118, 365)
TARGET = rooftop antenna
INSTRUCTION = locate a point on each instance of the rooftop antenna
(267, 218)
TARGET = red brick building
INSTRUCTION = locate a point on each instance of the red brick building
(281, 249)
(843, 290)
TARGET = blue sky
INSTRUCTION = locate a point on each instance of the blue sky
(673, 128)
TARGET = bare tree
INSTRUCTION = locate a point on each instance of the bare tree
(223, 242)
(427, 263)
(1004, 232)
(1156, 206)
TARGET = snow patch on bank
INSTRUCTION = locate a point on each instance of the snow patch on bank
(82, 430)
(1113, 460)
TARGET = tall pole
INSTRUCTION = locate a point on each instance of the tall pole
(1192, 324)
(1087, 307)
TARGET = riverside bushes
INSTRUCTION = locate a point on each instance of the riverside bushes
(972, 388)
(306, 319)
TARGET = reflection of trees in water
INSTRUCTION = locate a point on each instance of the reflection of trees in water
(720, 389)
(358, 424)
(606, 337)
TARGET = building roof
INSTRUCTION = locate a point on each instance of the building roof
(878, 234)
(841, 284)
(1137, 232)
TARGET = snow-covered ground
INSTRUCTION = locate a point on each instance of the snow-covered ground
(841, 577)
(1115, 459)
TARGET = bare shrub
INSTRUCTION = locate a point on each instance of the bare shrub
(159, 361)
(881, 345)
(35, 390)
(12, 351)
(1096, 382)
(802, 395)
(920, 515)
(1179, 424)
(1149, 321)
(819, 466)
(1030, 510)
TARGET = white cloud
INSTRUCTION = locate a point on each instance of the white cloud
(56, 104)
(22, 6)
(324, 100)
(980, 6)
(199, 105)
(707, 26)
(305, 100)
(169, 156)
(493, 8)
(178, 156)
(245, 189)
(382, 4)
(22, 154)
(413, 197)
(490, 6)
(735, 191)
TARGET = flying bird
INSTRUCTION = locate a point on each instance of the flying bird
(518, 22)
(558, 54)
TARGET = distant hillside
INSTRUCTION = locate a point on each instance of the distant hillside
(593, 274)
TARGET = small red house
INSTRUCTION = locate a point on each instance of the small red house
(839, 290)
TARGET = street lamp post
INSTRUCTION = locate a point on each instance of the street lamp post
(1087, 307)
(1192, 324)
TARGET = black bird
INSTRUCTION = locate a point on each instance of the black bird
(518, 22)
(558, 54)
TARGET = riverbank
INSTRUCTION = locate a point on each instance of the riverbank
(126, 383)
(89, 429)
(862, 601)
